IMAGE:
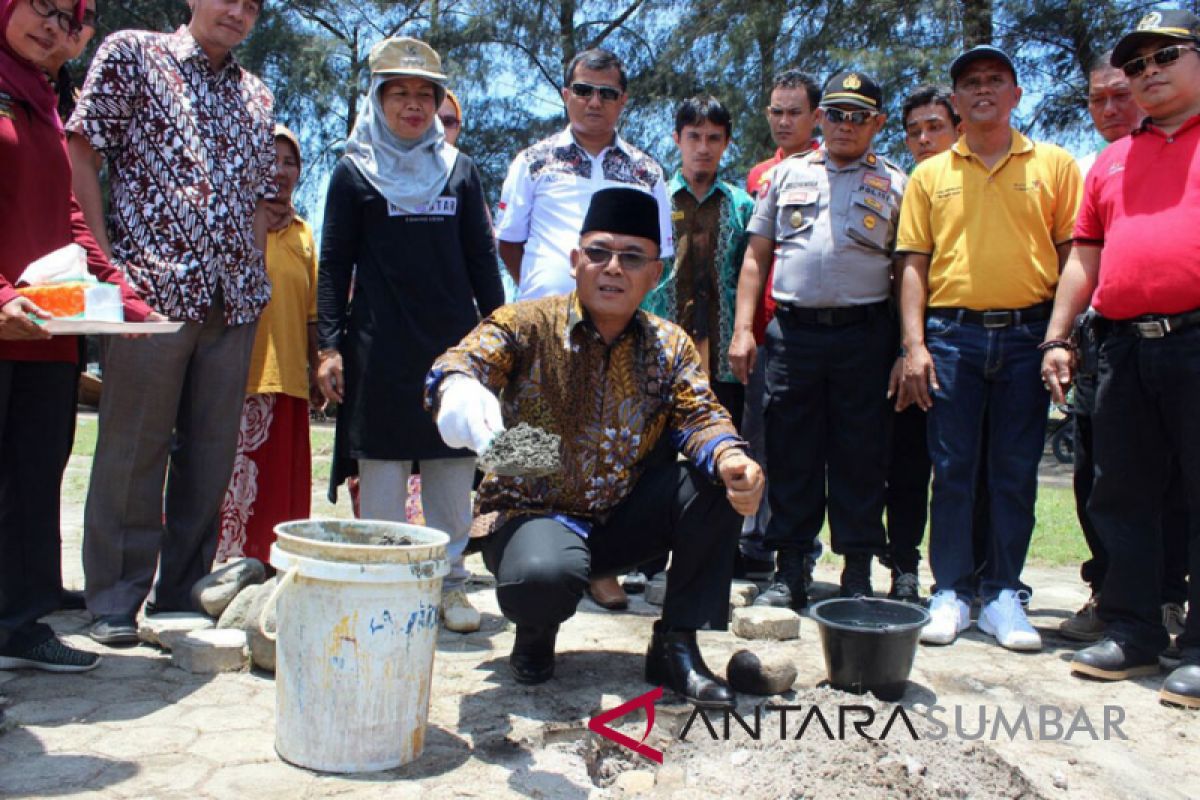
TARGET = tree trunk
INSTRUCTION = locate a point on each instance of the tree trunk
(976, 22)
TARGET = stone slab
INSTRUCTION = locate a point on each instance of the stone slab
(211, 651)
(152, 629)
(764, 622)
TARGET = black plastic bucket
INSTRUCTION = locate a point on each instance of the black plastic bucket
(869, 643)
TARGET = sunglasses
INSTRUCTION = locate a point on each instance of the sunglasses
(608, 94)
(450, 122)
(602, 256)
(47, 10)
(1168, 55)
(837, 116)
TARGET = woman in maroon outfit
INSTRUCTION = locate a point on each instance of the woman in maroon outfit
(38, 373)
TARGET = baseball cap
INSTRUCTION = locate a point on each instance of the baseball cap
(977, 53)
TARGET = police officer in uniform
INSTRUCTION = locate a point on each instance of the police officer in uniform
(829, 217)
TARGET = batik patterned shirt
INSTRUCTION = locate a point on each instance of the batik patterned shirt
(190, 151)
(546, 195)
(699, 288)
(610, 403)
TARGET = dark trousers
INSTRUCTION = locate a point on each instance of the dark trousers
(1174, 521)
(754, 432)
(1145, 417)
(542, 566)
(37, 422)
(827, 419)
(170, 411)
(909, 471)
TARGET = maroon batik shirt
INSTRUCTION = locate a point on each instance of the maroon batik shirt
(190, 151)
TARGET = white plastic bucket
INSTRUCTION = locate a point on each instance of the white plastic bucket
(358, 626)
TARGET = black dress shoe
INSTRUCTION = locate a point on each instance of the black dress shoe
(1111, 661)
(856, 577)
(532, 659)
(114, 630)
(1182, 687)
(71, 600)
(674, 662)
(780, 595)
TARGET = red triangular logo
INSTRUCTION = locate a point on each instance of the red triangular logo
(599, 724)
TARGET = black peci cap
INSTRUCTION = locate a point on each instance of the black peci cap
(629, 212)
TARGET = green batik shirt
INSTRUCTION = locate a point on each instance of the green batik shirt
(609, 403)
(699, 288)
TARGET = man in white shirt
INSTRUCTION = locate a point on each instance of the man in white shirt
(550, 184)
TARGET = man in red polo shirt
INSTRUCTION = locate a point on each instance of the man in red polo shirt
(1137, 256)
(791, 114)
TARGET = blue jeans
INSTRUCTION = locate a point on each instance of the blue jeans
(994, 372)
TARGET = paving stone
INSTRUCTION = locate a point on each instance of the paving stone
(763, 674)
(273, 781)
(141, 741)
(6, 676)
(215, 591)
(237, 613)
(246, 717)
(57, 775)
(245, 747)
(55, 711)
(210, 651)
(152, 629)
(154, 711)
(165, 776)
(762, 622)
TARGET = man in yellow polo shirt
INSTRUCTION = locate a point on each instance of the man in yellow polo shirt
(985, 228)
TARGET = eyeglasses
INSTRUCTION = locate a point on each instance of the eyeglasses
(608, 94)
(450, 122)
(776, 112)
(47, 10)
(837, 116)
(1168, 55)
(602, 257)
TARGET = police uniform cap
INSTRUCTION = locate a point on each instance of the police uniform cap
(1171, 23)
(852, 88)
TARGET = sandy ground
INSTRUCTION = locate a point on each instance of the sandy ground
(138, 727)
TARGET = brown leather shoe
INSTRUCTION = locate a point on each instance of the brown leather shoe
(607, 593)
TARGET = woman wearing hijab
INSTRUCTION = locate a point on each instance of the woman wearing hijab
(406, 221)
(272, 474)
(38, 373)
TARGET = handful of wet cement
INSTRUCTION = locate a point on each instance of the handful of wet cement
(523, 451)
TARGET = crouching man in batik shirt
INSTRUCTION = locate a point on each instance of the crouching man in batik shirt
(626, 392)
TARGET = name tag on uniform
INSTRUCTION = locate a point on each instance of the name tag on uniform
(877, 182)
(441, 207)
(798, 197)
(873, 203)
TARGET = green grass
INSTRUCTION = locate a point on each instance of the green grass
(1057, 539)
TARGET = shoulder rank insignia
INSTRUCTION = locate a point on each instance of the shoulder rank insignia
(878, 182)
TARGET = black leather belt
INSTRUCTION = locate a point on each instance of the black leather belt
(832, 317)
(996, 319)
(1150, 326)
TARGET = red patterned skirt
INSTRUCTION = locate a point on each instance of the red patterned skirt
(272, 476)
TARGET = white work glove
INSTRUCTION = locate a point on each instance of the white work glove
(468, 414)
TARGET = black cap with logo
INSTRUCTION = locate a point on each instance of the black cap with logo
(852, 89)
(1172, 23)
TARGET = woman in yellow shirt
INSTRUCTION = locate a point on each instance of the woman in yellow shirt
(272, 476)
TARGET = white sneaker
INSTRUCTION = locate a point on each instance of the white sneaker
(1005, 619)
(948, 617)
(458, 614)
